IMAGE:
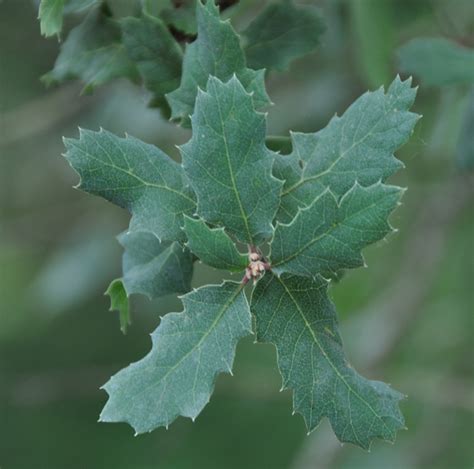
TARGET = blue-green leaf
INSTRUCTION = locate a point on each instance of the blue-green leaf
(328, 236)
(228, 165)
(358, 146)
(296, 315)
(189, 350)
(282, 33)
(213, 246)
(437, 61)
(155, 268)
(136, 176)
(217, 52)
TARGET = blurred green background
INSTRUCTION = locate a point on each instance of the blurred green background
(407, 319)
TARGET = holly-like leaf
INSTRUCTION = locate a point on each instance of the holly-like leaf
(213, 246)
(358, 147)
(296, 315)
(136, 176)
(282, 33)
(51, 17)
(189, 350)
(217, 52)
(437, 61)
(228, 165)
(328, 236)
(93, 52)
(155, 52)
(155, 268)
(119, 302)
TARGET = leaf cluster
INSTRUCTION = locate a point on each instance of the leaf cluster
(153, 42)
(288, 223)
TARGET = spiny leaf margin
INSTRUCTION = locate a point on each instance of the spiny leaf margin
(296, 315)
(133, 392)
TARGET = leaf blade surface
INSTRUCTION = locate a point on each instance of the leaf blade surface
(189, 350)
(296, 315)
(155, 268)
(136, 176)
(216, 52)
(282, 33)
(213, 246)
(328, 236)
(356, 147)
(228, 165)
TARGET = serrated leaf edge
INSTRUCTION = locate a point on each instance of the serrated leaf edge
(338, 203)
(216, 373)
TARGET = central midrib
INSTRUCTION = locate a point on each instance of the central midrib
(232, 178)
(326, 356)
(135, 176)
(203, 338)
(322, 235)
(329, 168)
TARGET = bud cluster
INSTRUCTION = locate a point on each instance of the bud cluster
(256, 268)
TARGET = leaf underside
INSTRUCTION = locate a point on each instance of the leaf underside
(51, 17)
(296, 315)
(189, 350)
(119, 302)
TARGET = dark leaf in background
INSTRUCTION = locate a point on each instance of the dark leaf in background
(437, 61)
(217, 52)
(93, 53)
(154, 51)
(282, 33)
(182, 18)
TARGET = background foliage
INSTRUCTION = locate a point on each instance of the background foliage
(408, 317)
